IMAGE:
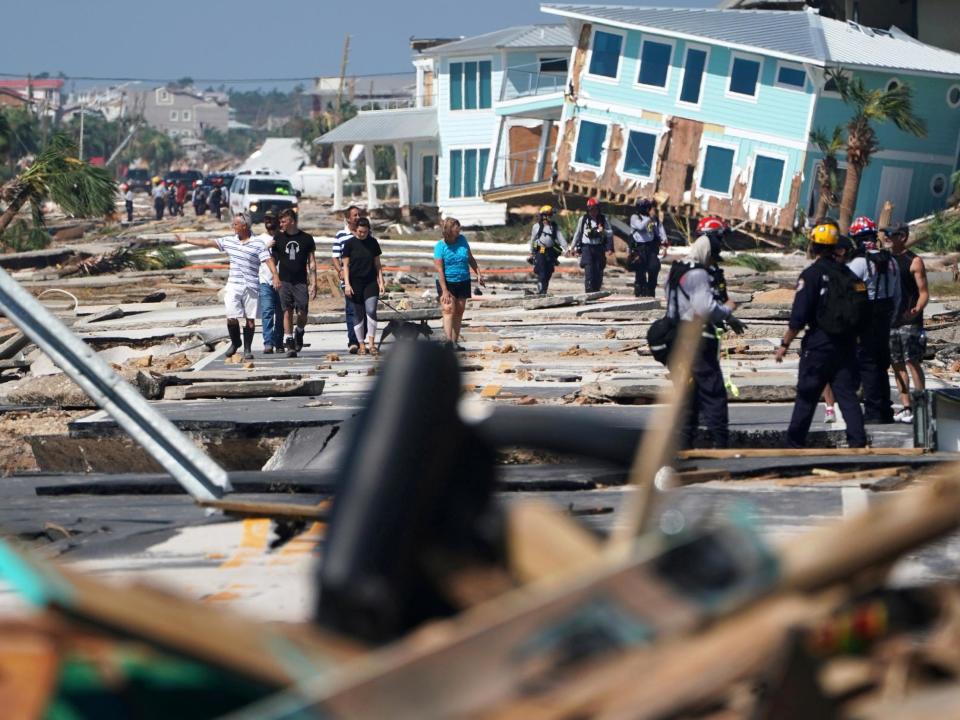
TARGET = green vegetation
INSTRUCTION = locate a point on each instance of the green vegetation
(157, 257)
(754, 262)
(941, 235)
(21, 236)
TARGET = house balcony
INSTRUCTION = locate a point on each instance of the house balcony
(531, 92)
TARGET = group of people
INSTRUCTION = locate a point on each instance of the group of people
(592, 243)
(170, 197)
(859, 305)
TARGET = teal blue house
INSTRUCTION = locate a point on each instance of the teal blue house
(711, 111)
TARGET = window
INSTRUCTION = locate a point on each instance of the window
(605, 55)
(639, 157)
(468, 169)
(830, 86)
(938, 185)
(717, 169)
(654, 63)
(744, 74)
(953, 96)
(174, 116)
(553, 65)
(590, 143)
(767, 179)
(185, 115)
(164, 97)
(470, 85)
(790, 76)
(693, 69)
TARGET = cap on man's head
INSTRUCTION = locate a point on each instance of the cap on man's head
(897, 229)
(269, 215)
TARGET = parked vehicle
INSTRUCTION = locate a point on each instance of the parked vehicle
(256, 194)
(138, 179)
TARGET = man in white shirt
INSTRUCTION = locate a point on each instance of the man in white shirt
(271, 313)
(351, 216)
(242, 294)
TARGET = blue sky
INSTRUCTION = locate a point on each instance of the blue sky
(242, 38)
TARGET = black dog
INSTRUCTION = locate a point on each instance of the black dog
(405, 330)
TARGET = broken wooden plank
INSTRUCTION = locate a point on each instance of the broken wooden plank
(245, 389)
(13, 345)
(110, 313)
(727, 453)
(129, 308)
(544, 542)
(14, 364)
(272, 510)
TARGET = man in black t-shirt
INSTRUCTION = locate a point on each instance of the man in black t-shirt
(293, 251)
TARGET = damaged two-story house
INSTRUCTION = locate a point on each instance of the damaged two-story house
(710, 111)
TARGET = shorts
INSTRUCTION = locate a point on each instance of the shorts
(242, 302)
(460, 290)
(907, 342)
(293, 296)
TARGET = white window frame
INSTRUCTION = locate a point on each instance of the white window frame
(790, 66)
(701, 166)
(770, 155)
(603, 147)
(480, 180)
(734, 56)
(493, 90)
(660, 89)
(164, 96)
(186, 116)
(703, 78)
(946, 185)
(620, 63)
(174, 116)
(657, 132)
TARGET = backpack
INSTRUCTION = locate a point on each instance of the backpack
(843, 308)
(663, 332)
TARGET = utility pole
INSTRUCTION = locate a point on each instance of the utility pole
(338, 110)
(81, 130)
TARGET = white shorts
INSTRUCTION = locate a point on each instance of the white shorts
(242, 302)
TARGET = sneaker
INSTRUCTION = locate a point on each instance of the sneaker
(353, 349)
(829, 415)
(268, 349)
(905, 416)
(898, 415)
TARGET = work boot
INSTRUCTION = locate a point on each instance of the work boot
(248, 342)
(291, 348)
(233, 330)
(298, 338)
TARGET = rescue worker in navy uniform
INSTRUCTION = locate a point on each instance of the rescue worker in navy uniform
(593, 242)
(547, 243)
(877, 268)
(646, 240)
(691, 292)
(830, 302)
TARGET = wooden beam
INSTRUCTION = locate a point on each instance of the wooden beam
(542, 542)
(272, 510)
(796, 452)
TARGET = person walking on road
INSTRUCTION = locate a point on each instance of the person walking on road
(214, 200)
(453, 260)
(547, 243)
(271, 313)
(593, 242)
(159, 197)
(692, 291)
(128, 201)
(171, 198)
(908, 341)
(242, 294)
(363, 283)
(831, 303)
(294, 252)
(877, 268)
(646, 240)
(181, 196)
(351, 217)
(199, 199)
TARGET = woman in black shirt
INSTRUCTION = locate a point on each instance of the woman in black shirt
(363, 283)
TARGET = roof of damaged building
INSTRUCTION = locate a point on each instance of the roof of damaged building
(799, 36)
(517, 37)
(376, 126)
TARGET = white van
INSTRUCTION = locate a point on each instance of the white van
(256, 193)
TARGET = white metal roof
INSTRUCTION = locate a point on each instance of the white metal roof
(519, 37)
(793, 35)
(383, 126)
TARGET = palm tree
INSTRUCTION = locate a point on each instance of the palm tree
(870, 106)
(57, 174)
(827, 170)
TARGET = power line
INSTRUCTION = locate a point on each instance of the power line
(225, 81)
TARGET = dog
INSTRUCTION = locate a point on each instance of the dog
(405, 330)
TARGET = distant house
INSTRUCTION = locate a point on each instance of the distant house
(13, 99)
(711, 111)
(485, 110)
(114, 102)
(182, 112)
(366, 92)
(45, 94)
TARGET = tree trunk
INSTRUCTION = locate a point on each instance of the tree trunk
(11, 212)
(848, 201)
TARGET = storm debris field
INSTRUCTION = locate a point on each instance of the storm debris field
(78, 491)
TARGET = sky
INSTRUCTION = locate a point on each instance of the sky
(243, 39)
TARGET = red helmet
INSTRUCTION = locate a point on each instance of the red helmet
(712, 224)
(863, 226)
(592, 202)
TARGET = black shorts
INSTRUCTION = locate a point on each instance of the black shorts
(363, 290)
(460, 290)
(293, 296)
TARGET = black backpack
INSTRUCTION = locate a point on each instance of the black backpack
(843, 308)
(663, 332)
